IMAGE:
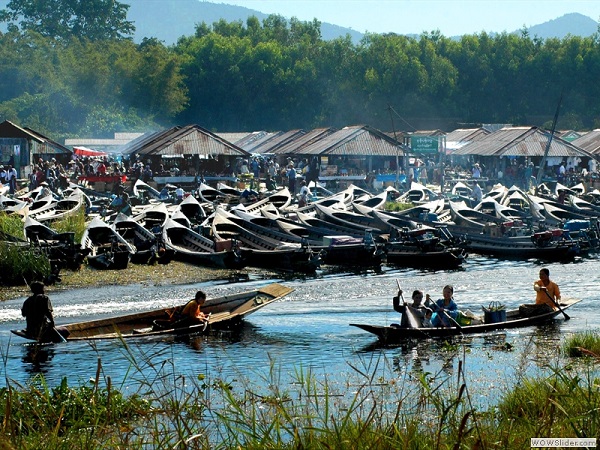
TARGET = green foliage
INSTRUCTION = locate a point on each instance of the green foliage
(19, 263)
(396, 206)
(585, 343)
(72, 224)
(277, 74)
(95, 20)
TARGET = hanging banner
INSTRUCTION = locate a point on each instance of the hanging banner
(423, 144)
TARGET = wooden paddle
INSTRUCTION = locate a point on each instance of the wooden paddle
(413, 322)
(567, 317)
(448, 316)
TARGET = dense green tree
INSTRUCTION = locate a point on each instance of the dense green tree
(96, 20)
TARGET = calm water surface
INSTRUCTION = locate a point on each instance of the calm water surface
(308, 330)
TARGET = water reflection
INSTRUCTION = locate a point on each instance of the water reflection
(37, 358)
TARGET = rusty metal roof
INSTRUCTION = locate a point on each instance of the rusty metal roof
(359, 140)
(183, 140)
(589, 141)
(520, 141)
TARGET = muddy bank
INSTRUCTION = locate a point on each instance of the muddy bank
(173, 273)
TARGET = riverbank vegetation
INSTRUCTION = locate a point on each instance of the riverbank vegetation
(585, 343)
(73, 80)
(171, 410)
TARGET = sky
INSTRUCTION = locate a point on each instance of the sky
(450, 17)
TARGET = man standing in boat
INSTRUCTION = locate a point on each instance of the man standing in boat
(37, 310)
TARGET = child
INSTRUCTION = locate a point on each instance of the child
(427, 318)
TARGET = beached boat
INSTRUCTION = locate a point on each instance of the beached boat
(149, 247)
(225, 312)
(107, 248)
(391, 334)
(145, 192)
(66, 207)
(192, 247)
(12, 205)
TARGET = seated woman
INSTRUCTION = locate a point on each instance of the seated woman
(412, 314)
(445, 309)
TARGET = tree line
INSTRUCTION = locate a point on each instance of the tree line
(69, 68)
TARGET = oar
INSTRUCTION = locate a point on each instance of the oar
(413, 322)
(567, 317)
(448, 316)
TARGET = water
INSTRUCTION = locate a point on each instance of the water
(309, 329)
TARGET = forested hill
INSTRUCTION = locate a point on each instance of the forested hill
(66, 72)
(167, 20)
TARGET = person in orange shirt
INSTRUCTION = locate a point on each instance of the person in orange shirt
(191, 311)
(548, 292)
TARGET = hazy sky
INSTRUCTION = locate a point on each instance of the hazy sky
(451, 17)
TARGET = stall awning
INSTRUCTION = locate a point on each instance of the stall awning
(84, 151)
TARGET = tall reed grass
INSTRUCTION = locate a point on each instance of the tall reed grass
(389, 410)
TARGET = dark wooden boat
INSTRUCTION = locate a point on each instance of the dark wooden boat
(262, 251)
(107, 248)
(192, 247)
(393, 335)
(148, 247)
(225, 313)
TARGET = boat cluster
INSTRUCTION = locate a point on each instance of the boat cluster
(222, 227)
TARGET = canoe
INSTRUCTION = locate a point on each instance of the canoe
(148, 247)
(225, 312)
(392, 334)
(189, 246)
(66, 207)
(107, 248)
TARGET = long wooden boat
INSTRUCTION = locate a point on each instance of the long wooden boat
(194, 248)
(107, 248)
(392, 334)
(148, 247)
(63, 208)
(143, 190)
(225, 312)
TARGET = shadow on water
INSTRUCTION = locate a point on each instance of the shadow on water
(37, 358)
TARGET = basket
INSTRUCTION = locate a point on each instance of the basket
(494, 313)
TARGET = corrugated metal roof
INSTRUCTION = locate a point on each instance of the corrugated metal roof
(187, 140)
(360, 140)
(466, 134)
(589, 141)
(271, 145)
(520, 141)
(234, 137)
(253, 141)
(43, 144)
(297, 145)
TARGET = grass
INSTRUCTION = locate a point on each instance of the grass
(586, 343)
(384, 411)
(395, 206)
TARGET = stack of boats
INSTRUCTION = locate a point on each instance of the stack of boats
(220, 227)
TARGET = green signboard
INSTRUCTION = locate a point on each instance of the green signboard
(423, 144)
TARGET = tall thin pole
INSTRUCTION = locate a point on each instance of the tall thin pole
(396, 139)
(543, 163)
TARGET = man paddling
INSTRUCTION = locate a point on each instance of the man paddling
(547, 292)
(413, 314)
(37, 311)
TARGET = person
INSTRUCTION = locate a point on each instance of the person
(11, 178)
(476, 171)
(413, 314)
(427, 318)
(291, 174)
(179, 193)
(477, 193)
(443, 308)
(547, 292)
(191, 313)
(37, 310)
(304, 194)
(561, 197)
